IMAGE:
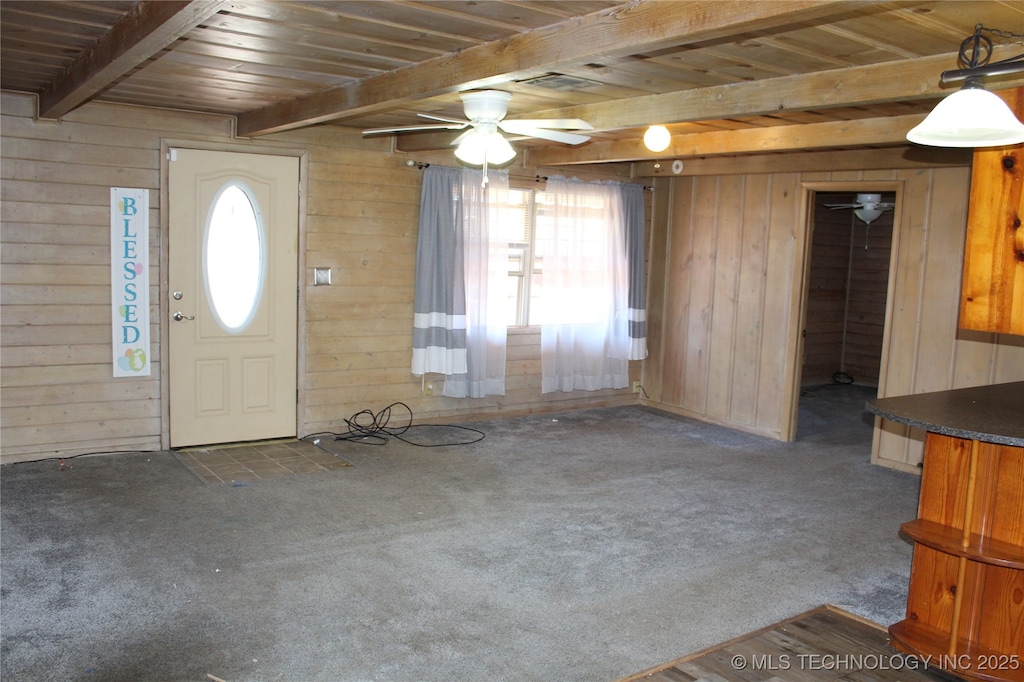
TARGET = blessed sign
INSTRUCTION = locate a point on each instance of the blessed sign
(129, 280)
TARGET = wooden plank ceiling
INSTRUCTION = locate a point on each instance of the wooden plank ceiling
(728, 76)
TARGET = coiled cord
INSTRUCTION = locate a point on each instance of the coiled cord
(368, 428)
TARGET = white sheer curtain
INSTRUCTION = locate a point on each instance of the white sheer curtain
(485, 265)
(585, 341)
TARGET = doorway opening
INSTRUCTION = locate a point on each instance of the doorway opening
(844, 324)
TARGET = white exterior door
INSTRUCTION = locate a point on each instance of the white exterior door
(232, 307)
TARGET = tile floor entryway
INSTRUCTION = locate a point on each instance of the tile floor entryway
(246, 462)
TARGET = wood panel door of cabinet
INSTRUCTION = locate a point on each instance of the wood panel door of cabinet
(992, 295)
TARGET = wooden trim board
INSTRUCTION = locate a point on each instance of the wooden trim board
(825, 643)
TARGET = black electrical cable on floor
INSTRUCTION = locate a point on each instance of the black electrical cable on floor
(61, 458)
(363, 427)
(367, 428)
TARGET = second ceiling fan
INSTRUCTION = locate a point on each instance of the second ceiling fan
(867, 207)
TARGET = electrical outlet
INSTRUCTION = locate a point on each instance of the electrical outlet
(636, 387)
(428, 389)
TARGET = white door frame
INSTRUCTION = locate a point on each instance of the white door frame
(164, 293)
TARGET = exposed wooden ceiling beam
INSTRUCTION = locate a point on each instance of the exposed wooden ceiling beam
(888, 130)
(895, 81)
(627, 29)
(794, 162)
(852, 86)
(147, 28)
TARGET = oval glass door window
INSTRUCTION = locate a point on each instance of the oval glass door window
(234, 257)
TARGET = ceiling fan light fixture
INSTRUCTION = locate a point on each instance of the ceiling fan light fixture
(868, 215)
(868, 206)
(657, 138)
(480, 146)
(486, 105)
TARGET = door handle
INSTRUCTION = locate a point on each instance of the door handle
(178, 316)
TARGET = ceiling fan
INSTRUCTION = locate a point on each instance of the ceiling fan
(868, 207)
(483, 144)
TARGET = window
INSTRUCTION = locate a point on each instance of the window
(512, 221)
(569, 259)
(233, 257)
(523, 218)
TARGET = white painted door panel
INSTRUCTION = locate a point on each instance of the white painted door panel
(232, 377)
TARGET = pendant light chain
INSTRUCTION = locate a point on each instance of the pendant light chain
(976, 50)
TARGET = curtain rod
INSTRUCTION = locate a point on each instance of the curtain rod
(420, 165)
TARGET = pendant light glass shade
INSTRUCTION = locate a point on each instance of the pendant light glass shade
(482, 145)
(657, 138)
(970, 117)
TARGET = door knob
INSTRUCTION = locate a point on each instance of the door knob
(178, 316)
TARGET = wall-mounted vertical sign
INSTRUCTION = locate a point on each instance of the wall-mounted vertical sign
(129, 280)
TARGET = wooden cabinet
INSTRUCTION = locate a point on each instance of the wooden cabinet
(965, 608)
(965, 604)
(992, 294)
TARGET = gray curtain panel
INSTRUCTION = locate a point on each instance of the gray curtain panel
(439, 307)
(633, 213)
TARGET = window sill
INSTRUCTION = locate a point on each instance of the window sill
(523, 331)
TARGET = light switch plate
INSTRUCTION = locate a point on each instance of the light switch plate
(321, 276)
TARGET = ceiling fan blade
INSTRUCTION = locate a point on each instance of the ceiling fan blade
(563, 123)
(445, 119)
(553, 135)
(407, 129)
(835, 206)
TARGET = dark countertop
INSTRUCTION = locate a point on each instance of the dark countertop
(994, 414)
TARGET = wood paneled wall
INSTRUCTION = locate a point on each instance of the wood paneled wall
(925, 349)
(362, 219)
(58, 395)
(720, 301)
(361, 213)
(726, 260)
(724, 307)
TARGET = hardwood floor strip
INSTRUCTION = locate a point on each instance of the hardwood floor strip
(825, 643)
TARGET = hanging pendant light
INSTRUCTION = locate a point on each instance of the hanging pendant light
(973, 116)
(970, 117)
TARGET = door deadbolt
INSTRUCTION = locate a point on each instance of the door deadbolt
(177, 295)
